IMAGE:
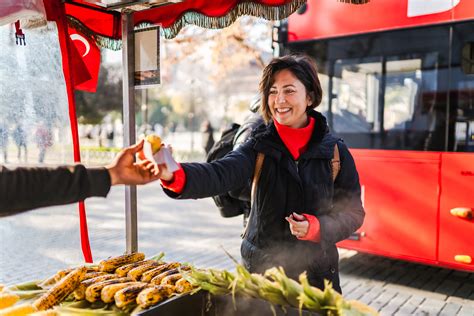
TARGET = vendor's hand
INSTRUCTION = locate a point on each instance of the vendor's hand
(299, 225)
(124, 169)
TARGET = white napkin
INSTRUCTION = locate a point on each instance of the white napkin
(163, 156)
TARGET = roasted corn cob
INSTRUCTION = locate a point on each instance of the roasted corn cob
(136, 273)
(18, 310)
(153, 295)
(108, 292)
(171, 279)
(183, 286)
(62, 273)
(94, 274)
(93, 291)
(109, 265)
(61, 290)
(80, 291)
(129, 294)
(123, 270)
(8, 299)
(150, 274)
(157, 280)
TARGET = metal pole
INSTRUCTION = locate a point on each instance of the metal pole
(129, 138)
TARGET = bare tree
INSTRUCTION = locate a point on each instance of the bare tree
(245, 42)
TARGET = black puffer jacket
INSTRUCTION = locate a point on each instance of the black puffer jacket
(25, 188)
(286, 186)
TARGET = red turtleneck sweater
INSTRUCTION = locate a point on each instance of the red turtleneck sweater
(296, 141)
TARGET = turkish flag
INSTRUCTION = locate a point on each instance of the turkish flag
(85, 61)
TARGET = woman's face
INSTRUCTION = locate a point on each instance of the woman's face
(288, 100)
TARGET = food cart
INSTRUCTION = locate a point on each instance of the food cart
(112, 24)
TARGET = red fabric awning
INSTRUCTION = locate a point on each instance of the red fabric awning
(214, 14)
(104, 26)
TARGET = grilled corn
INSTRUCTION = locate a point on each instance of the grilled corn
(94, 274)
(136, 273)
(150, 274)
(123, 270)
(111, 264)
(157, 280)
(183, 286)
(128, 295)
(61, 290)
(153, 295)
(80, 291)
(93, 291)
(171, 279)
(108, 292)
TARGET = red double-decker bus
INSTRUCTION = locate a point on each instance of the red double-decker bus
(398, 80)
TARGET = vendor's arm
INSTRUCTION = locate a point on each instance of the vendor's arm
(27, 188)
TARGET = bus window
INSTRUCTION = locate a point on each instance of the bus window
(402, 87)
(388, 103)
(410, 116)
(464, 114)
(467, 62)
(324, 80)
(355, 99)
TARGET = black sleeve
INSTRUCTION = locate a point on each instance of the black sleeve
(347, 214)
(27, 188)
(209, 179)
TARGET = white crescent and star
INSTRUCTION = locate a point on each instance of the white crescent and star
(77, 37)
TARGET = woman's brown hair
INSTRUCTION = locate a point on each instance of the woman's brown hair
(303, 67)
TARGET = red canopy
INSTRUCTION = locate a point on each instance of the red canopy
(104, 26)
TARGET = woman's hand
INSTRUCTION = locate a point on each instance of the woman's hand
(299, 225)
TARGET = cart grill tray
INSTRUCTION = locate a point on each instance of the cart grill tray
(204, 304)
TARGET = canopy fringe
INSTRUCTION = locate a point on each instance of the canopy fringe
(243, 8)
(201, 20)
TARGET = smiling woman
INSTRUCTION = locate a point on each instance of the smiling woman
(300, 209)
(290, 87)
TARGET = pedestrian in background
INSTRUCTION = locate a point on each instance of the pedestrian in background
(19, 136)
(4, 141)
(301, 205)
(44, 140)
(207, 136)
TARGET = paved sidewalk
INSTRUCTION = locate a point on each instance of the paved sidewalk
(36, 244)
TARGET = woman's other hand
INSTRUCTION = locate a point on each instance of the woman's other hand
(299, 225)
